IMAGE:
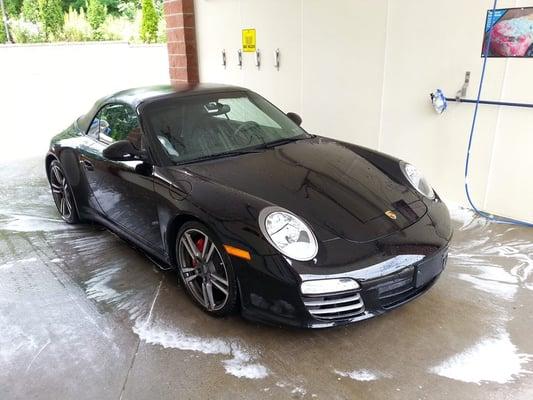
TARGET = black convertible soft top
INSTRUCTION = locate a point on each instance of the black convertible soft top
(135, 96)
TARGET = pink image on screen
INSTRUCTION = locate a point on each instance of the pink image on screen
(513, 37)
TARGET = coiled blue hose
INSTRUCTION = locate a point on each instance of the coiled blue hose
(472, 130)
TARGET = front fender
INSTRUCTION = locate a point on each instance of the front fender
(230, 213)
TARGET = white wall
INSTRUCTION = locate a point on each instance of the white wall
(43, 88)
(362, 71)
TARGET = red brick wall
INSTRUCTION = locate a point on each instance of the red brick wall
(181, 41)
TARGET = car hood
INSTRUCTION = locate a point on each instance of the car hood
(326, 182)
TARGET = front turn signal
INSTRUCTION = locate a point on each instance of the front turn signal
(234, 251)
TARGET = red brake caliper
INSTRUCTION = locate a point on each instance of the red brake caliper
(200, 246)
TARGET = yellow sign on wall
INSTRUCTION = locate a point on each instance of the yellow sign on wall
(248, 40)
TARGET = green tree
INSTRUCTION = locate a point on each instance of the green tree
(128, 9)
(96, 14)
(51, 16)
(13, 7)
(149, 22)
(112, 6)
(30, 10)
(3, 37)
(74, 4)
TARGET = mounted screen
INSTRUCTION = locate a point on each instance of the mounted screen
(511, 32)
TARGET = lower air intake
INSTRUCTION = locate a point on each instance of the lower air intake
(334, 306)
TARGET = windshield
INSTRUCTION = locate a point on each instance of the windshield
(205, 126)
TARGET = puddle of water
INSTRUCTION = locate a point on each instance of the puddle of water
(137, 298)
(30, 223)
(242, 364)
(14, 341)
(295, 390)
(485, 282)
(490, 257)
(12, 264)
(172, 338)
(105, 286)
(492, 359)
(363, 375)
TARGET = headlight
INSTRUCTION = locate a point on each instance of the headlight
(288, 233)
(417, 180)
(322, 286)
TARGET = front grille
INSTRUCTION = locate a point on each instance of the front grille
(335, 306)
(395, 288)
(398, 298)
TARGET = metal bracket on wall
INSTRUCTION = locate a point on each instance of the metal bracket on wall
(462, 92)
(460, 97)
(224, 58)
(276, 59)
(439, 95)
(491, 103)
(239, 58)
(258, 59)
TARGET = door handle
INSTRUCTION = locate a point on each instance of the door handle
(88, 165)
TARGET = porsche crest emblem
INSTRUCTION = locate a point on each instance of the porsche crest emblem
(391, 214)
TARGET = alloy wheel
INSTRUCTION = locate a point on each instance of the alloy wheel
(203, 269)
(61, 193)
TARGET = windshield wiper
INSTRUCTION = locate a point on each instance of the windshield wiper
(224, 154)
(255, 149)
(283, 141)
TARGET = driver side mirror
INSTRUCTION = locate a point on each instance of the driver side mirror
(123, 150)
(295, 118)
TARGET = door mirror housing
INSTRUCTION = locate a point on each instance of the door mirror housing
(123, 150)
(295, 118)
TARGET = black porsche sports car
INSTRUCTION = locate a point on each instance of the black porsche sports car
(253, 212)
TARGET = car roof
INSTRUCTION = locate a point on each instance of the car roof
(135, 96)
(139, 95)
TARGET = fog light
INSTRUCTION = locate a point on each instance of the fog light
(322, 286)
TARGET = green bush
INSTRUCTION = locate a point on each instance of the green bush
(74, 4)
(127, 9)
(149, 22)
(43, 20)
(162, 31)
(30, 10)
(3, 37)
(111, 6)
(118, 29)
(26, 32)
(96, 14)
(51, 16)
(13, 7)
(76, 28)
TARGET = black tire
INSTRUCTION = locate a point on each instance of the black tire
(210, 270)
(62, 193)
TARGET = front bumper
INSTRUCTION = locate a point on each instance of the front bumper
(375, 296)
(381, 294)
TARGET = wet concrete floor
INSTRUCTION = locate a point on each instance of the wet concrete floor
(85, 316)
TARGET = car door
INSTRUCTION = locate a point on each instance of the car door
(124, 190)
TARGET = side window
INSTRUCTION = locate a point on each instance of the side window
(116, 122)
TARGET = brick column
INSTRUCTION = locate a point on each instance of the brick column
(181, 41)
